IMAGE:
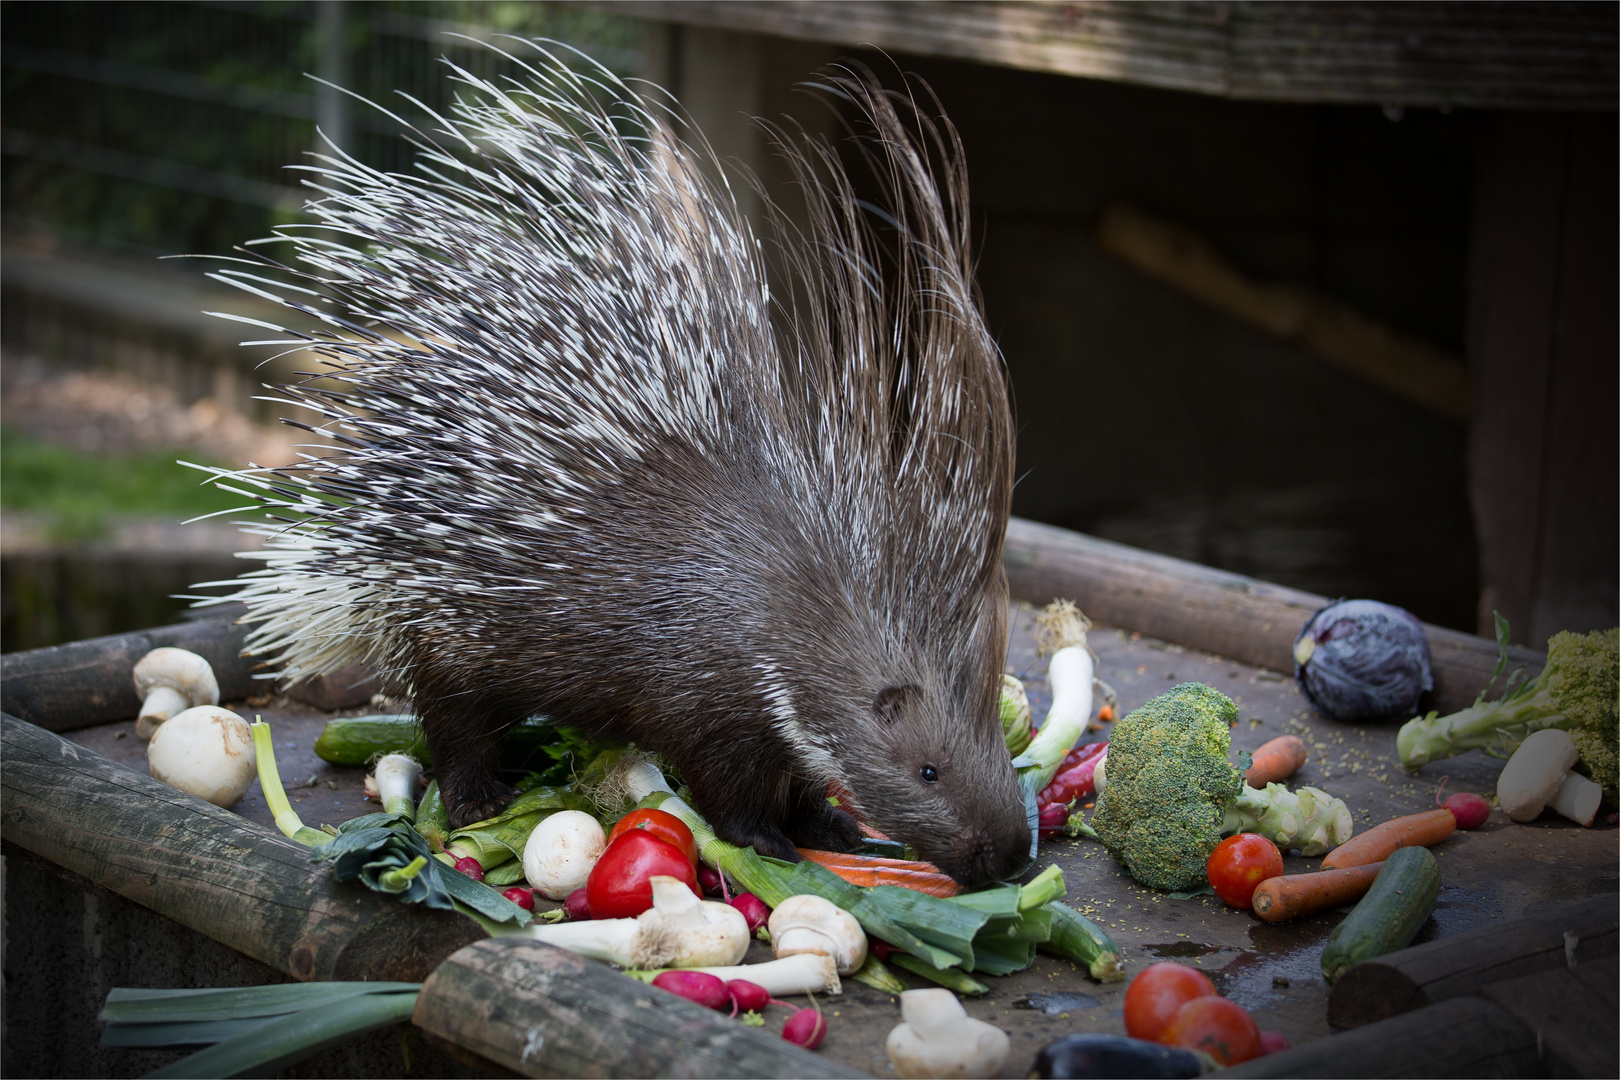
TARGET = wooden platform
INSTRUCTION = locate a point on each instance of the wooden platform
(1498, 873)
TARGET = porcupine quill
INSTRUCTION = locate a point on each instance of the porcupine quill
(580, 473)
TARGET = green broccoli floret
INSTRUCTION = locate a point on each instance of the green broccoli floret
(1576, 691)
(1169, 785)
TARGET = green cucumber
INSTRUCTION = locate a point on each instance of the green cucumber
(1075, 937)
(359, 740)
(1388, 917)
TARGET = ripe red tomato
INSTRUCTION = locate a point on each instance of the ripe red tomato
(620, 884)
(1154, 996)
(1239, 864)
(1220, 1028)
(662, 824)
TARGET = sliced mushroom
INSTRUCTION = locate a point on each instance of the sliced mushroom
(814, 924)
(937, 1038)
(170, 681)
(1538, 776)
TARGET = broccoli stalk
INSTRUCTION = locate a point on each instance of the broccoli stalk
(1307, 818)
(1575, 692)
(1171, 795)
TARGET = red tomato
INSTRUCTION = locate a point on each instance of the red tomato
(662, 824)
(1216, 1026)
(1239, 864)
(620, 884)
(1154, 996)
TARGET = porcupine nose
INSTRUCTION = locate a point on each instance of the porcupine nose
(981, 856)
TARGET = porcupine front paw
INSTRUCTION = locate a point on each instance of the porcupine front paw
(481, 804)
(831, 830)
(762, 836)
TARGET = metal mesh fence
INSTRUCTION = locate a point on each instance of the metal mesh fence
(168, 127)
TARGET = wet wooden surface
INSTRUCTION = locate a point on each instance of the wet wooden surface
(1497, 872)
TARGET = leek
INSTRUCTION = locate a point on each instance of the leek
(287, 819)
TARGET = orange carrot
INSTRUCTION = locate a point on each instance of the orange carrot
(1381, 841)
(870, 870)
(1276, 761)
(1106, 714)
(1281, 898)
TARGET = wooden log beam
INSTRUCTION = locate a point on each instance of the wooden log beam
(1459, 965)
(1465, 1036)
(64, 687)
(1571, 1011)
(1213, 610)
(541, 1011)
(1334, 331)
(208, 869)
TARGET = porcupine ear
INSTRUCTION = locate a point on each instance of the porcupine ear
(884, 332)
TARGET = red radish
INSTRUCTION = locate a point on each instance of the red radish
(1273, 1041)
(750, 997)
(880, 948)
(577, 908)
(523, 898)
(807, 1028)
(753, 909)
(699, 986)
(710, 881)
(471, 867)
(1053, 817)
(1469, 809)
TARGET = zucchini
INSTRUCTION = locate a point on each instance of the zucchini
(359, 740)
(1388, 917)
(1075, 937)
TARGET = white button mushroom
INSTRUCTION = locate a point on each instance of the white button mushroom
(679, 930)
(560, 852)
(1538, 775)
(207, 752)
(169, 681)
(814, 924)
(937, 1038)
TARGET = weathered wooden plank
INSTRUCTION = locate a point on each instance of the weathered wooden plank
(1542, 473)
(1542, 56)
(1465, 1036)
(1209, 609)
(90, 682)
(1571, 1011)
(208, 869)
(541, 1011)
(1459, 965)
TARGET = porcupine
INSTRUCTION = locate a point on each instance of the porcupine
(581, 473)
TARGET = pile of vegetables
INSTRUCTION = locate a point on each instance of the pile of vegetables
(1170, 794)
(632, 894)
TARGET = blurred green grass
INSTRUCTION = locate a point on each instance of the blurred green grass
(78, 496)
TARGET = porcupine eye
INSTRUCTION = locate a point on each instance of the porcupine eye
(930, 774)
(891, 701)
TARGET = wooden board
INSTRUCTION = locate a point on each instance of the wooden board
(1497, 873)
(1547, 56)
(541, 1011)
